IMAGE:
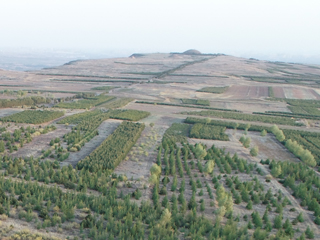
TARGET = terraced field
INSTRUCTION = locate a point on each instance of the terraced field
(138, 151)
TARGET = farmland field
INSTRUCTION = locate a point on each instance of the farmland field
(295, 93)
(246, 92)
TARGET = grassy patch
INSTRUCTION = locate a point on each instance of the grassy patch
(201, 102)
(177, 132)
(118, 103)
(217, 90)
(104, 88)
(270, 92)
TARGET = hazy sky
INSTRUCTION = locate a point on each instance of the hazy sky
(214, 26)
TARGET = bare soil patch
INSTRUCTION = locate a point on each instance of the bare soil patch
(9, 111)
(315, 94)
(278, 92)
(269, 146)
(246, 92)
(142, 155)
(300, 93)
(41, 142)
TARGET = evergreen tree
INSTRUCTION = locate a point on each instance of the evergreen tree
(260, 234)
(309, 233)
(278, 222)
(265, 216)
(2, 148)
(254, 151)
(263, 133)
(249, 205)
(268, 226)
(192, 203)
(202, 206)
(317, 220)
(257, 221)
(300, 217)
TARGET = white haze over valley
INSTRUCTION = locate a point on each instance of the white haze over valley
(36, 34)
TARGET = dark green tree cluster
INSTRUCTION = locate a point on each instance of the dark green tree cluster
(85, 130)
(114, 149)
(245, 117)
(217, 90)
(201, 102)
(77, 118)
(204, 131)
(303, 181)
(128, 114)
(29, 101)
(174, 210)
(33, 117)
(104, 88)
(229, 125)
(188, 106)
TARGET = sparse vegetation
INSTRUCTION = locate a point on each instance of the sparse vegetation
(118, 103)
(29, 101)
(104, 88)
(85, 103)
(254, 151)
(177, 132)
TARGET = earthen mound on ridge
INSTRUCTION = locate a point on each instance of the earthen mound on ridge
(136, 55)
(192, 52)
